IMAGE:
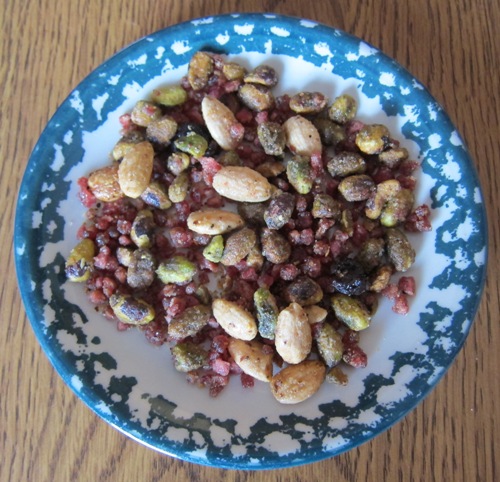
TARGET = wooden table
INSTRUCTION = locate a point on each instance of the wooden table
(48, 46)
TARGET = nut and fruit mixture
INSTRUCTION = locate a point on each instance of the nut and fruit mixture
(251, 233)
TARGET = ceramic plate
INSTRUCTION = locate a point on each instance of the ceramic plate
(131, 384)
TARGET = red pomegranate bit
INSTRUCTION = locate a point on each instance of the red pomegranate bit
(354, 356)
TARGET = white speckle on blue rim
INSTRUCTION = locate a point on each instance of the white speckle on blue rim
(229, 431)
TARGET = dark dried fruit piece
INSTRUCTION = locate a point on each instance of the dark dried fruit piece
(348, 277)
(280, 210)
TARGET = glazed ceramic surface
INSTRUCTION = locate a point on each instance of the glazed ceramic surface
(133, 385)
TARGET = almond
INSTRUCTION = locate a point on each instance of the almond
(242, 184)
(104, 183)
(134, 172)
(293, 337)
(214, 221)
(251, 357)
(302, 137)
(221, 123)
(296, 383)
(234, 320)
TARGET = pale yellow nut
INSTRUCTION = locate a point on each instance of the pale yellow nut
(302, 137)
(251, 357)
(315, 314)
(242, 184)
(221, 123)
(293, 336)
(297, 383)
(214, 221)
(234, 320)
(135, 169)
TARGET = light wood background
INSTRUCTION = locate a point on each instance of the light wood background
(48, 46)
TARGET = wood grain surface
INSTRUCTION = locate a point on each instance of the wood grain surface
(48, 46)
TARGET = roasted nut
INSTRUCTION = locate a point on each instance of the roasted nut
(252, 358)
(382, 278)
(125, 256)
(343, 109)
(104, 183)
(337, 376)
(397, 208)
(263, 75)
(143, 229)
(221, 123)
(267, 312)
(233, 71)
(324, 206)
(124, 144)
(385, 190)
(351, 311)
(393, 157)
(315, 314)
(178, 190)
(280, 210)
(275, 246)
(156, 195)
(345, 164)
(297, 383)
(272, 138)
(372, 139)
(131, 310)
(188, 356)
(229, 158)
(169, 96)
(253, 213)
(242, 184)
(80, 261)
(356, 188)
(329, 343)
(308, 102)
(399, 249)
(292, 336)
(177, 270)
(330, 132)
(193, 144)
(141, 269)
(254, 258)
(238, 245)
(144, 113)
(161, 131)
(189, 322)
(234, 320)
(299, 174)
(214, 221)
(178, 162)
(304, 291)
(371, 253)
(213, 251)
(302, 137)
(271, 168)
(200, 69)
(134, 172)
(256, 97)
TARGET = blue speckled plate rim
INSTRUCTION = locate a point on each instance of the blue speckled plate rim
(22, 229)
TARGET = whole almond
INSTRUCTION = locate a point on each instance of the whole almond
(252, 358)
(296, 383)
(234, 320)
(293, 336)
(104, 183)
(242, 184)
(214, 221)
(302, 137)
(221, 123)
(135, 169)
